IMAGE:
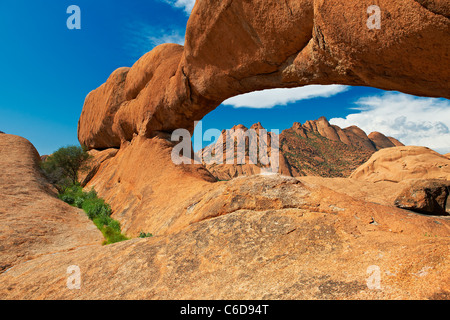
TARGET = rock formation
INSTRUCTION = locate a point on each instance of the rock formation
(381, 141)
(259, 237)
(417, 177)
(34, 222)
(314, 148)
(250, 154)
(96, 159)
(146, 190)
(425, 196)
(234, 47)
(402, 163)
(351, 136)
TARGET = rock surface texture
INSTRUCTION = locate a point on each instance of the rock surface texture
(33, 222)
(259, 237)
(234, 47)
(402, 163)
(425, 196)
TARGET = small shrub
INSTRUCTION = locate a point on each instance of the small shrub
(145, 235)
(78, 202)
(96, 209)
(112, 236)
(91, 194)
(68, 198)
(114, 225)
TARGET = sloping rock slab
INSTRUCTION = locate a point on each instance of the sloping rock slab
(33, 221)
(328, 246)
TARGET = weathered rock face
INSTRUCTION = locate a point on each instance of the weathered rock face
(402, 163)
(380, 141)
(260, 237)
(234, 47)
(146, 190)
(425, 196)
(33, 222)
(96, 159)
(248, 153)
(413, 178)
(396, 142)
(351, 136)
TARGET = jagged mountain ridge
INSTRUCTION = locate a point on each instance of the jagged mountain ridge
(314, 148)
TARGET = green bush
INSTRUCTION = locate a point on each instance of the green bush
(96, 209)
(112, 236)
(62, 167)
(145, 235)
(78, 202)
(68, 198)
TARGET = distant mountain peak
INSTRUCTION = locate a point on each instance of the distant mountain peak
(239, 127)
(257, 126)
(314, 148)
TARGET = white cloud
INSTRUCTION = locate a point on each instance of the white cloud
(166, 36)
(187, 5)
(270, 98)
(142, 38)
(412, 120)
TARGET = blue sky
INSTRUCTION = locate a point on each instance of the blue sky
(47, 70)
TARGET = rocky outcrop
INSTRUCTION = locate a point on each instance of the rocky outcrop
(250, 153)
(33, 222)
(314, 148)
(271, 44)
(259, 237)
(396, 142)
(351, 136)
(425, 196)
(146, 190)
(274, 44)
(402, 163)
(413, 178)
(380, 141)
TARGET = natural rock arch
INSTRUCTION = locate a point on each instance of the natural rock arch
(237, 46)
